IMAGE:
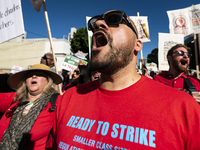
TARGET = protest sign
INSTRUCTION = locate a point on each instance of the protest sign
(71, 63)
(89, 37)
(142, 26)
(16, 69)
(195, 17)
(185, 21)
(166, 41)
(151, 67)
(11, 20)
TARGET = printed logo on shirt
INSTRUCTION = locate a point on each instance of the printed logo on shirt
(137, 135)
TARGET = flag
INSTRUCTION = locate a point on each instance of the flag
(142, 26)
(11, 20)
(36, 4)
(166, 41)
(180, 22)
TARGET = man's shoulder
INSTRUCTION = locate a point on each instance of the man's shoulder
(84, 88)
(162, 74)
(193, 78)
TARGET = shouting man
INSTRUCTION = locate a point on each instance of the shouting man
(123, 110)
(179, 58)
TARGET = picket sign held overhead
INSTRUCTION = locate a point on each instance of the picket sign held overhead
(11, 20)
(166, 41)
(71, 63)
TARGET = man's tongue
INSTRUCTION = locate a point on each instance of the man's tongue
(100, 40)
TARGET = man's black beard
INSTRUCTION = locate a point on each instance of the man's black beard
(180, 69)
(115, 59)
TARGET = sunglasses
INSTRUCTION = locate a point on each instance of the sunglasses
(182, 53)
(111, 18)
(77, 72)
(45, 57)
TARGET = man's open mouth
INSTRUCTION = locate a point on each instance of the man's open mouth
(99, 39)
(184, 62)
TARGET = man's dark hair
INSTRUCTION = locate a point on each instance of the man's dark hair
(171, 50)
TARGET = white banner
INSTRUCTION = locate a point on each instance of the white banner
(185, 21)
(36, 4)
(142, 26)
(195, 17)
(179, 22)
(11, 20)
(89, 37)
(166, 41)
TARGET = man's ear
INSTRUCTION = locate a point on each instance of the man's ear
(138, 45)
(169, 58)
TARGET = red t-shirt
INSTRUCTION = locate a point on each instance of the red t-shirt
(41, 128)
(169, 80)
(146, 115)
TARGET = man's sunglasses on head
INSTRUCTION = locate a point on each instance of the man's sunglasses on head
(182, 53)
(111, 18)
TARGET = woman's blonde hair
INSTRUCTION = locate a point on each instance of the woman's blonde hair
(23, 91)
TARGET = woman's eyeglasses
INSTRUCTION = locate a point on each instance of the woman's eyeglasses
(182, 53)
(111, 18)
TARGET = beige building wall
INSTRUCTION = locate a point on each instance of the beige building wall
(29, 51)
(23, 54)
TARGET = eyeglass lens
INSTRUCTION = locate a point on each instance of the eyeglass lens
(44, 57)
(182, 53)
(110, 18)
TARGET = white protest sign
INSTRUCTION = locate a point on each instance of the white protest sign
(195, 17)
(152, 67)
(166, 41)
(142, 26)
(16, 69)
(11, 20)
(89, 37)
(180, 22)
(71, 63)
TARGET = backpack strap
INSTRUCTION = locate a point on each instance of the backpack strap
(53, 102)
(192, 88)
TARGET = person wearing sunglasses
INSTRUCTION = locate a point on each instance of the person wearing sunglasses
(47, 59)
(178, 59)
(123, 110)
(29, 113)
(77, 77)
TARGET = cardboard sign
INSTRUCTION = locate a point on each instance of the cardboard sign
(71, 63)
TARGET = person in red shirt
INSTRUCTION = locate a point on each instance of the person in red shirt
(27, 120)
(179, 58)
(123, 110)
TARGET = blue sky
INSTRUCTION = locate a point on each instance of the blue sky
(64, 14)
